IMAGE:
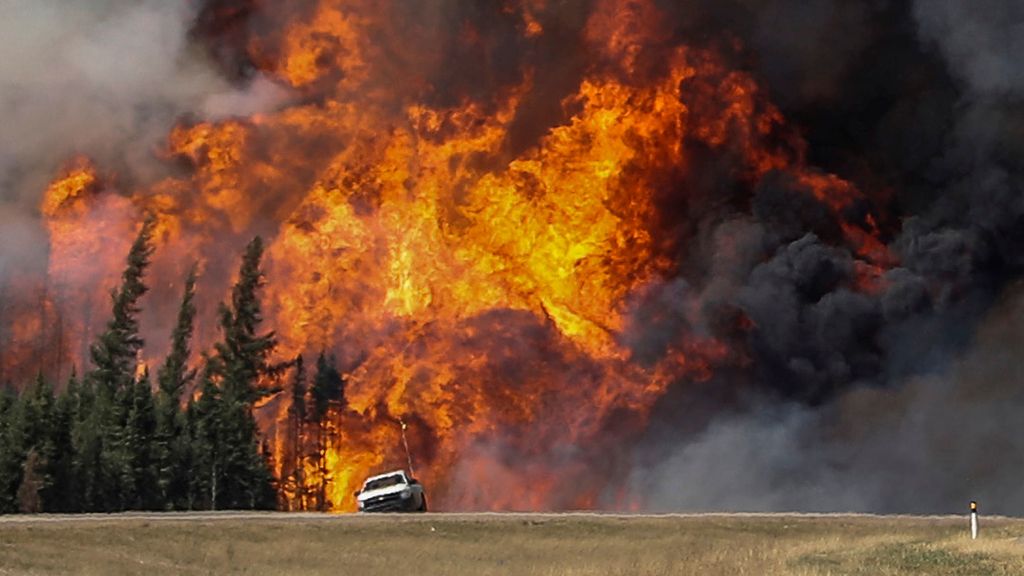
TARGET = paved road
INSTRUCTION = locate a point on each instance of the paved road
(442, 516)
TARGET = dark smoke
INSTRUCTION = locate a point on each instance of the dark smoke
(890, 402)
(925, 444)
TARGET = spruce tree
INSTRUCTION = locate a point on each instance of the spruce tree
(114, 356)
(296, 437)
(115, 351)
(87, 445)
(204, 418)
(138, 442)
(39, 403)
(60, 495)
(198, 455)
(328, 387)
(175, 375)
(171, 449)
(236, 470)
(242, 356)
(12, 450)
(40, 450)
(327, 393)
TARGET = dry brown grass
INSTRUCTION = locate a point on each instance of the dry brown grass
(577, 545)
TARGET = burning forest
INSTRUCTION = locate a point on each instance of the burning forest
(604, 254)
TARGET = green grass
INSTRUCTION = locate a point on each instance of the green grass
(904, 558)
(509, 544)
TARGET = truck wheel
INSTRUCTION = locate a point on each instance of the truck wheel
(423, 504)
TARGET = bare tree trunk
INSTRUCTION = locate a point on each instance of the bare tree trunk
(297, 462)
(213, 486)
(321, 491)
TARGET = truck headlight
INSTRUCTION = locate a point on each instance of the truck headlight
(407, 493)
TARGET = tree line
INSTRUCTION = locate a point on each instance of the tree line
(114, 438)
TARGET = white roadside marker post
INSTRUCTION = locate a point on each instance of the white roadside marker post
(408, 455)
(974, 520)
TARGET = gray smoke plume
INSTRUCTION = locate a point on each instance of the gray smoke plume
(906, 400)
(929, 445)
(981, 40)
(107, 78)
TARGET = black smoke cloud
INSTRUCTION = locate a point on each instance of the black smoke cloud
(929, 444)
(895, 401)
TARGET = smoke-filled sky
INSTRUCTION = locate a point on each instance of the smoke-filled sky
(922, 98)
(899, 398)
(107, 78)
(925, 445)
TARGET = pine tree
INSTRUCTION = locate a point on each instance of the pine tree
(115, 351)
(328, 389)
(204, 431)
(242, 356)
(114, 356)
(328, 393)
(38, 435)
(87, 449)
(39, 403)
(199, 453)
(119, 489)
(237, 473)
(138, 441)
(174, 377)
(296, 437)
(12, 450)
(59, 496)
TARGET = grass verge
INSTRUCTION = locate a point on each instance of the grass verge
(508, 544)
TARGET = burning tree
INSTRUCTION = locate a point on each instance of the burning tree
(294, 490)
(328, 404)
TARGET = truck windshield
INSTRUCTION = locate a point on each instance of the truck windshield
(384, 482)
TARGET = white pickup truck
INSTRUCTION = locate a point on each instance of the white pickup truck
(392, 492)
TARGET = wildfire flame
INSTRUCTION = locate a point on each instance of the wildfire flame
(479, 294)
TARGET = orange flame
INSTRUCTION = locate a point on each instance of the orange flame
(479, 296)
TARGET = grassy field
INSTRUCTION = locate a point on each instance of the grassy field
(508, 544)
